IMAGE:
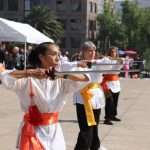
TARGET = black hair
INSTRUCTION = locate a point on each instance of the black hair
(41, 49)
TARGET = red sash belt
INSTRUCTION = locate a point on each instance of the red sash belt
(108, 77)
(32, 119)
(111, 77)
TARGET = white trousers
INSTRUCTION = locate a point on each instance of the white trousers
(51, 137)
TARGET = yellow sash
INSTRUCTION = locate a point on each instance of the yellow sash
(87, 96)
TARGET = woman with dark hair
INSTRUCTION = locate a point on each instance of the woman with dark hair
(42, 96)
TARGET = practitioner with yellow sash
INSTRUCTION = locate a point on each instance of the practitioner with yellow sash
(89, 101)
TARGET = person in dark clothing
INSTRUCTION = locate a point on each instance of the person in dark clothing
(12, 58)
(2, 56)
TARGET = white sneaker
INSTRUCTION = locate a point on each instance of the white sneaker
(102, 148)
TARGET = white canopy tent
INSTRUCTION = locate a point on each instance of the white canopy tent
(20, 32)
(12, 31)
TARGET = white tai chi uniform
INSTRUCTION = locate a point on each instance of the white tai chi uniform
(98, 99)
(89, 109)
(114, 86)
(88, 135)
(50, 96)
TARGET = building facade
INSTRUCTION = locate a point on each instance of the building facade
(12, 9)
(77, 16)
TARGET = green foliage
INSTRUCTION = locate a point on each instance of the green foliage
(45, 21)
(131, 18)
(127, 29)
(111, 30)
(147, 58)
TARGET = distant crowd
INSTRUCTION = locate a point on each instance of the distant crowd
(14, 57)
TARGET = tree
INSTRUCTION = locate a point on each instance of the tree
(45, 21)
(128, 29)
(111, 30)
(131, 18)
(145, 29)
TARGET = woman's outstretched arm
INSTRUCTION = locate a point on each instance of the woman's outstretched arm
(37, 73)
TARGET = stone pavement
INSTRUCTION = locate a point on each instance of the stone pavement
(132, 133)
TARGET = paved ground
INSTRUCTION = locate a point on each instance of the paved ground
(133, 133)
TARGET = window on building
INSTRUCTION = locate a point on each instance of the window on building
(34, 3)
(95, 8)
(76, 5)
(75, 42)
(1, 5)
(62, 43)
(39, 2)
(27, 5)
(59, 2)
(92, 35)
(60, 5)
(75, 24)
(13, 5)
(92, 25)
(63, 22)
(91, 7)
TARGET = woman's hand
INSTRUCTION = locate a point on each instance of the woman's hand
(37, 73)
(82, 64)
(51, 73)
(85, 64)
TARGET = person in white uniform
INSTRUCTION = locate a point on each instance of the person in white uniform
(114, 88)
(41, 98)
(88, 138)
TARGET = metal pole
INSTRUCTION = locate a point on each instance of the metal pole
(25, 55)
(93, 71)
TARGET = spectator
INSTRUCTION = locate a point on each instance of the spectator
(2, 55)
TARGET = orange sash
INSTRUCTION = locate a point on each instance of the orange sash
(2, 68)
(32, 119)
(107, 78)
(111, 77)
